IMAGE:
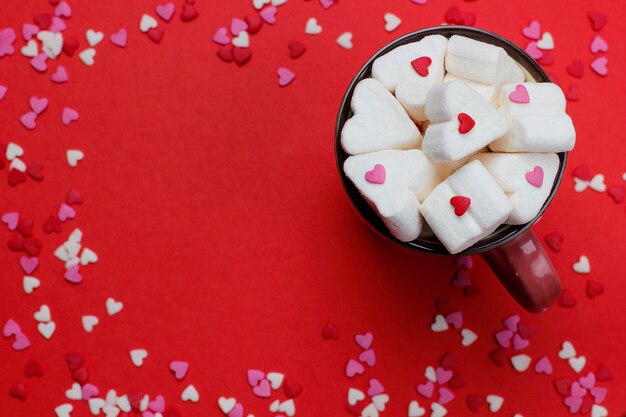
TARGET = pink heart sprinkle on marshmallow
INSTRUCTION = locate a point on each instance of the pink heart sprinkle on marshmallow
(21, 342)
(520, 95)
(285, 76)
(11, 219)
(88, 391)
(57, 25)
(157, 405)
(598, 44)
(29, 264)
(443, 375)
(364, 340)
(376, 175)
(29, 120)
(263, 390)
(66, 212)
(504, 337)
(519, 342)
(120, 38)
(455, 319)
(179, 368)
(165, 11)
(3, 91)
(237, 411)
(511, 322)
(63, 10)
(255, 376)
(533, 50)
(535, 177)
(29, 30)
(375, 388)
(11, 328)
(72, 274)
(577, 390)
(237, 25)
(445, 396)
(268, 15)
(544, 366)
(532, 31)
(588, 381)
(354, 368)
(38, 104)
(426, 389)
(574, 404)
(39, 62)
(369, 357)
(60, 75)
(69, 115)
(221, 36)
(598, 394)
(600, 66)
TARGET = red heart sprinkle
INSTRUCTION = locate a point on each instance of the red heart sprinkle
(296, 49)
(292, 389)
(448, 361)
(25, 227)
(562, 386)
(443, 306)
(468, 19)
(73, 197)
(254, 23)
(554, 241)
(421, 64)
(586, 407)
(460, 204)
(81, 375)
(474, 402)
(43, 20)
(32, 246)
(598, 20)
(567, 299)
(156, 34)
(576, 69)
(616, 193)
(356, 409)
(134, 398)
(498, 356)
(35, 171)
(330, 331)
(16, 243)
(604, 373)
(525, 330)
(457, 381)
(15, 177)
(19, 392)
(53, 224)
(189, 12)
(74, 360)
(453, 15)
(582, 172)
(70, 45)
(32, 369)
(594, 288)
(546, 58)
(572, 94)
(466, 123)
(471, 290)
(225, 53)
(242, 55)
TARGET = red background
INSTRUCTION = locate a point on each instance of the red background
(213, 202)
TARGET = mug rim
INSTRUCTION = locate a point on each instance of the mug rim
(496, 238)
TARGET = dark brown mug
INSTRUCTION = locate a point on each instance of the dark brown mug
(513, 252)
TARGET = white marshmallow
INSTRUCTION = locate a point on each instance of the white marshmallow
(408, 179)
(487, 91)
(395, 71)
(539, 125)
(379, 121)
(481, 62)
(446, 169)
(526, 178)
(488, 207)
(443, 140)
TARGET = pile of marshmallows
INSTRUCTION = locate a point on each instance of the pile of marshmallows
(487, 155)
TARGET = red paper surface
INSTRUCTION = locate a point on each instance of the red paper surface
(213, 201)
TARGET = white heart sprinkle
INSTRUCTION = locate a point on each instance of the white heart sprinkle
(370, 411)
(582, 266)
(599, 411)
(580, 185)
(71, 262)
(517, 415)
(47, 329)
(95, 405)
(546, 42)
(43, 315)
(391, 22)
(18, 164)
(113, 307)
(87, 56)
(89, 322)
(567, 350)
(597, 183)
(31, 49)
(227, 404)
(111, 397)
(274, 406)
(190, 394)
(76, 236)
(312, 27)
(74, 156)
(415, 410)
(110, 411)
(288, 407)
(469, 337)
(75, 392)
(440, 324)
(30, 283)
(437, 410)
(13, 151)
(278, 2)
(72, 249)
(380, 401)
(276, 379)
(345, 40)
(577, 364)
(242, 40)
(88, 257)
(355, 395)
(430, 374)
(143, 404)
(61, 253)
(51, 43)
(520, 362)
(137, 356)
(147, 22)
(93, 37)
(64, 410)
(123, 403)
(495, 402)
(258, 4)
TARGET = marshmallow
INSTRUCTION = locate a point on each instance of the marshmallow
(394, 182)
(411, 70)
(446, 169)
(466, 207)
(481, 62)
(379, 121)
(526, 178)
(461, 122)
(536, 118)
(488, 92)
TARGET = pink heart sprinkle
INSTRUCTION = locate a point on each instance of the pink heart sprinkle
(147, 413)
(29, 120)
(574, 404)
(588, 381)
(221, 36)
(520, 95)
(285, 76)
(72, 274)
(57, 25)
(39, 62)
(179, 368)
(3, 91)
(461, 279)
(375, 388)
(504, 337)
(255, 376)
(533, 50)
(326, 4)
(443, 375)
(29, 264)
(599, 65)
(511, 322)
(69, 115)
(445, 396)
(455, 319)
(21, 342)
(63, 10)
(519, 342)
(120, 38)
(544, 365)
(419, 1)
(598, 44)
(11, 219)
(354, 368)
(268, 14)
(7, 37)
(66, 212)
(532, 31)
(237, 25)
(88, 391)
(577, 390)
(11, 328)
(364, 340)
(598, 394)
(369, 357)
(535, 177)
(38, 104)
(376, 175)
(263, 390)
(60, 75)
(157, 405)
(237, 411)
(165, 11)
(29, 30)
(426, 389)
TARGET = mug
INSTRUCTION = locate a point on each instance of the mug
(513, 252)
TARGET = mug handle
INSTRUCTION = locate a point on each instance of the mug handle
(524, 268)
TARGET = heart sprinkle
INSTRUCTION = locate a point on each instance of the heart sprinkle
(376, 175)
(421, 64)
(466, 123)
(460, 204)
(535, 177)
(520, 95)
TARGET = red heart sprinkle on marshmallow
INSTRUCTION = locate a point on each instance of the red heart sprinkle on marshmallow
(421, 65)
(460, 204)
(466, 123)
